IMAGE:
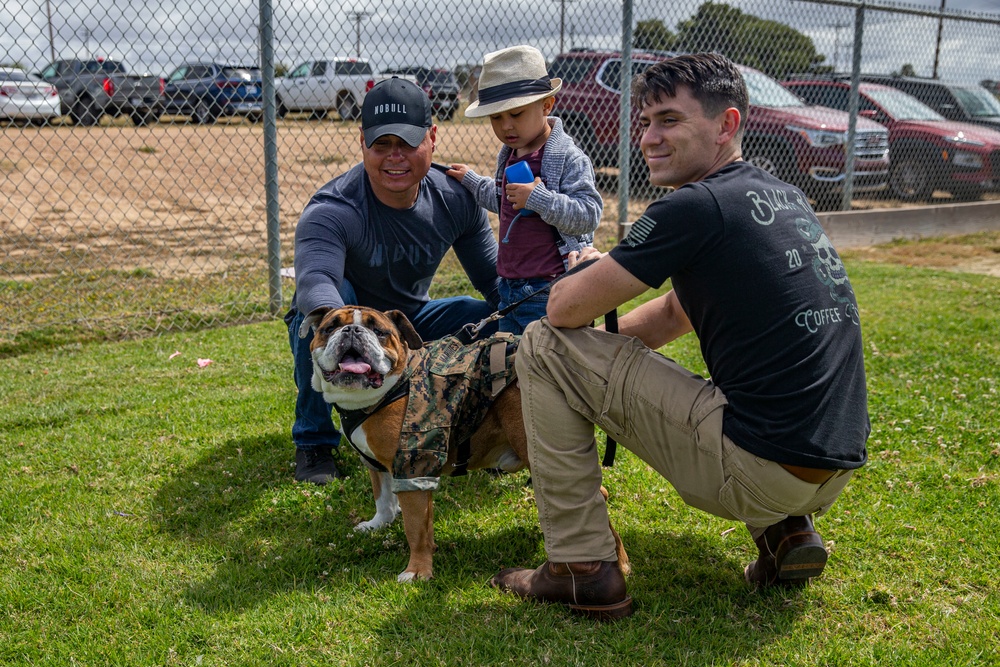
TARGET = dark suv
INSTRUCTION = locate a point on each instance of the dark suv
(439, 84)
(206, 91)
(966, 102)
(801, 144)
(927, 151)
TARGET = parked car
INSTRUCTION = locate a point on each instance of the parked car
(92, 88)
(440, 85)
(801, 144)
(321, 86)
(24, 96)
(927, 151)
(965, 102)
(206, 91)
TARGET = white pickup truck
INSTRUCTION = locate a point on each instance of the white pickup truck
(320, 86)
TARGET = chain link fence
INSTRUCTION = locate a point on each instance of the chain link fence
(148, 188)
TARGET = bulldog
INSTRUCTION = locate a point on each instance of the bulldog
(414, 415)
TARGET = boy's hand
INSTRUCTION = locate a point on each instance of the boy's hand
(518, 193)
(458, 171)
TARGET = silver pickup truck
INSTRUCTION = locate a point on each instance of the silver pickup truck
(321, 86)
(91, 89)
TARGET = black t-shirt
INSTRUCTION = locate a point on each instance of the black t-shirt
(773, 309)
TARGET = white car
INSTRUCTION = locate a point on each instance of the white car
(24, 96)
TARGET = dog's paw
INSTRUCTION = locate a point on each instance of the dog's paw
(369, 526)
(407, 576)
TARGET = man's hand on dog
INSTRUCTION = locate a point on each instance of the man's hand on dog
(584, 255)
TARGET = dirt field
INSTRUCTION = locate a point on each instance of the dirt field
(181, 199)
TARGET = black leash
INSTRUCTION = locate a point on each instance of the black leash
(611, 326)
(470, 332)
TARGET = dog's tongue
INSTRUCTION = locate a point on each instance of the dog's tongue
(358, 367)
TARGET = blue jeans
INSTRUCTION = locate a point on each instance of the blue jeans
(513, 290)
(438, 318)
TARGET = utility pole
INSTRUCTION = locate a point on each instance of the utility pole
(357, 16)
(562, 25)
(52, 41)
(937, 47)
(86, 41)
(836, 45)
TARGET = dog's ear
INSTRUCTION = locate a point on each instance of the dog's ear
(409, 334)
(312, 320)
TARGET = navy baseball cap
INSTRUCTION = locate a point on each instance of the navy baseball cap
(396, 106)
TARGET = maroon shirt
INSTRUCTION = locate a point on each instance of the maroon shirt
(531, 250)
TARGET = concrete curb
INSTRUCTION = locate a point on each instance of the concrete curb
(855, 229)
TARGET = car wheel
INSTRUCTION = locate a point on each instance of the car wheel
(638, 172)
(85, 112)
(967, 192)
(910, 178)
(144, 117)
(445, 114)
(203, 113)
(582, 133)
(828, 201)
(347, 107)
(772, 158)
(281, 110)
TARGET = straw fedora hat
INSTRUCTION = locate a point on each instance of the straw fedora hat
(512, 78)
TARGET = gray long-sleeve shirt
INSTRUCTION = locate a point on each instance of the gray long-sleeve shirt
(389, 256)
(567, 197)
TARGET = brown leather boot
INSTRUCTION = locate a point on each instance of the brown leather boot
(595, 589)
(790, 553)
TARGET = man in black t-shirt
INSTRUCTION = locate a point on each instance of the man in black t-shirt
(773, 436)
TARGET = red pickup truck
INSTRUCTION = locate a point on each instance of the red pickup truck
(801, 144)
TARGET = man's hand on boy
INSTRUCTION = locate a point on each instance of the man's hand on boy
(518, 193)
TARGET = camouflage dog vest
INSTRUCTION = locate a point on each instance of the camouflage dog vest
(451, 388)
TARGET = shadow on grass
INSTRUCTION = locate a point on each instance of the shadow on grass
(262, 534)
(700, 612)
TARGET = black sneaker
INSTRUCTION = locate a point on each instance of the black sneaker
(315, 464)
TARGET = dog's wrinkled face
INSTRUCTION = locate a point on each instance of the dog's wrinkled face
(359, 354)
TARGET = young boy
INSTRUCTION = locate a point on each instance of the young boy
(541, 222)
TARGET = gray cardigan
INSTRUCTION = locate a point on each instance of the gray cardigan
(567, 198)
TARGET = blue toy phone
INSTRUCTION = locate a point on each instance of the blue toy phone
(520, 172)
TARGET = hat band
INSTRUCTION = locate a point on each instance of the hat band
(506, 91)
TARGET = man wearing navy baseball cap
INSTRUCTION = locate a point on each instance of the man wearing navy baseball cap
(398, 107)
(374, 236)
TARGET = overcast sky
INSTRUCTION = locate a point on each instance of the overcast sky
(158, 37)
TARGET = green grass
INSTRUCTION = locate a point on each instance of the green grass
(148, 517)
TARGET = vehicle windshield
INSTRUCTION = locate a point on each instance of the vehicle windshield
(105, 66)
(14, 76)
(901, 106)
(353, 68)
(977, 101)
(766, 92)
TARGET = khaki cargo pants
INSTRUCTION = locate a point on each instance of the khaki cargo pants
(669, 417)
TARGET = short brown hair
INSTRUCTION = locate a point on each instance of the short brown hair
(713, 79)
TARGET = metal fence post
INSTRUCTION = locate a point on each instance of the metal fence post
(625, 120)
(270, 159)
(852, 108)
